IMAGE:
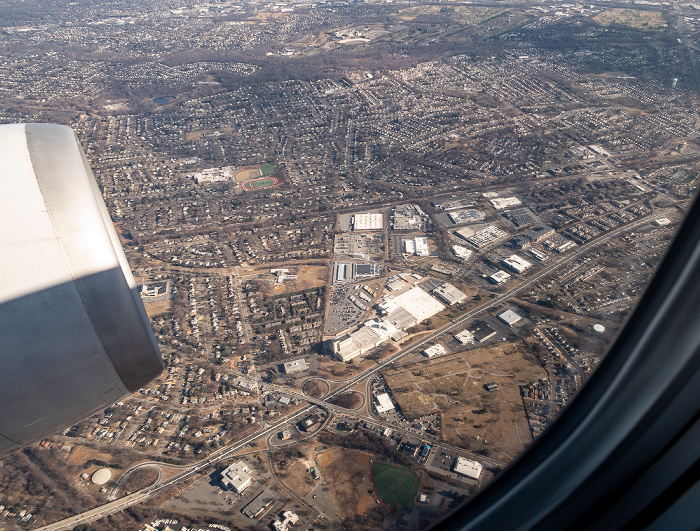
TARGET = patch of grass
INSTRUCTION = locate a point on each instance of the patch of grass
(395, 486)
(268, 169)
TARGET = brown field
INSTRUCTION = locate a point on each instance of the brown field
(348, 400)
(364, 458)
(453, 385)
(634, 18)
(315, 388)
(246, 173)
(297, 476)
(308, 276)
(325, 458)
(347, 478)
(364, 504)
(156, 308)
(140, 479)
(197, 135)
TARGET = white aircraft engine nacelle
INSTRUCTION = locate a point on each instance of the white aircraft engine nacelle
(74, 335)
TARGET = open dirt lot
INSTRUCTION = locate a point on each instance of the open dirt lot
(156, 308)
(308, 276)
(347, 474)
(296, 475)
(246, 173)
(454, 385)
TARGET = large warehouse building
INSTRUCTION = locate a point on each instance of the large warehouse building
(398, 313)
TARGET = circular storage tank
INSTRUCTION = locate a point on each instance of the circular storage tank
(599, 328)
(102, 476)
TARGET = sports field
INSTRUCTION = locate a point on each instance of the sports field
(267, 169)
(394, 485)
(261, 183)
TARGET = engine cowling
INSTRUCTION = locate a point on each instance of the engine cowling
(74, 335)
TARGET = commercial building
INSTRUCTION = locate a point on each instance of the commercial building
(434, 350)
(288, 518)
(407, 217)
(467, 467)
(484, 236)
(465, 337)
(517, 263)
(499, 277)
(449, 294)
(462, 252)
(368, 221)
(384, 403)
(290, 367)
(455, 204)
(499, 203)
(481, 331)
(236, 477)
(466, 216)
(417, 246)
(258, 504)
(509, 317)
(399, 312)
(309, 422)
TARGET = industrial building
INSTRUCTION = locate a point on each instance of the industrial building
(449, 294)
(236, 477)
(258, 504)
(309, 422)
(517, 263)
(481, 331)
(407, 217)
(455, 204)
(368, 221)
(509, 317)
(465, 216)
(484, 236)
(465, 337)
(384, 403)
(462, 252)
(499, 277)
(417, 246)
(468, 468)
(399, 312)
(290, 367)
(288, 518)
(434, 350)
(499, 203)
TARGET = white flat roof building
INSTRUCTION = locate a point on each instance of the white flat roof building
(485, 236)
(449, 294)
(499, 277)
(236, 477)
(468, 468)
(499, 203)
(384, 403)
(509, 317)
(517, 263)
(295, 366)
(421, 245)
(402, 311)
(464, 337)
(409, 246)
(434, 350)
(461, 252)
(368, 221)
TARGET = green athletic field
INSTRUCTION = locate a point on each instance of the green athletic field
(394, 485)
(268, 169)
(261, 183)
